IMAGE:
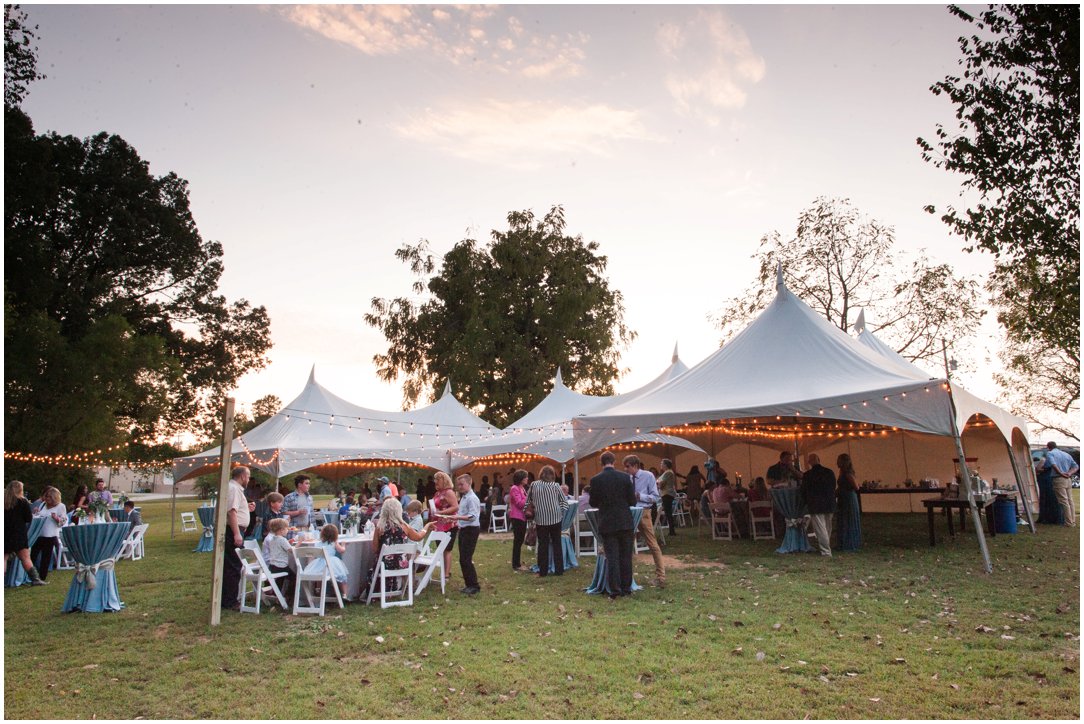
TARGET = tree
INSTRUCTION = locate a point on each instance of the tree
(501, 318)
(20, 57)
(1017, 146)
(113, 329)
(839, 261)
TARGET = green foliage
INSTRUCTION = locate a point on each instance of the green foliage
(20, 57)
(1017, 147)
(112, 327)
(500, 319)
(839, 261)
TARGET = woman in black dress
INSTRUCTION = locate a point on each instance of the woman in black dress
(17, 517)
(79, 500)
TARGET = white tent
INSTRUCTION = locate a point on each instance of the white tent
(546, 431)
(791, 380)
(322, 432)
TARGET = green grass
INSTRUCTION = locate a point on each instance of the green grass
(892, 632)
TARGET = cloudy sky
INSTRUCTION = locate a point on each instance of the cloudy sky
(318, 139)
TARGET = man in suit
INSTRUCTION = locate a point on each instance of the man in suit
(133, 515)
(613, 494)
(819, 491)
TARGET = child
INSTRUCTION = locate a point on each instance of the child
(329, 540)
(414, 513)
(276, 552)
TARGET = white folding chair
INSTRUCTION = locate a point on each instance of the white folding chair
(64, 561)
(430, 558)
(132, 548)
(704, 518)
(586, 545)
(382, 575)
(188, 522)
(760, 517)
(722, 522)
(498, 519)
(661, 527)
(681, 510)
(257, 575)
(313, 566)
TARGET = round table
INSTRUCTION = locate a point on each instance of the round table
(207, 539)
(789, 503)
(94, 547)
(600, 583)
(358, 559)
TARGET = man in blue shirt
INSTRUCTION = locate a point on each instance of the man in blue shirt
(470, 513)
(1063, 466)
(647, 495)
(385, 488)
(298, 505)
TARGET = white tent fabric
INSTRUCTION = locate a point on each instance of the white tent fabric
(547, 429)
(966, 403)
(320, 428)
(789, 362)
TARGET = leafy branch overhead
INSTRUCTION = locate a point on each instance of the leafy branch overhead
(498, 319)
(1016, 147)
(839, 261)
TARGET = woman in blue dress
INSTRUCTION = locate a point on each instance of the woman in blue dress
(850, 515)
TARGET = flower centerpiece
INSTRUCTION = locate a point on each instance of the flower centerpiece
(351, 520)
(98, 505)
(120, 500)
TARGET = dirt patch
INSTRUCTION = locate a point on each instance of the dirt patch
(162, 631)
(677, 564)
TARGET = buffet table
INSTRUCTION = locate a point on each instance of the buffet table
(895, 500)
(950, 504)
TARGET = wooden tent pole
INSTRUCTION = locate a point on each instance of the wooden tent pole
(220, 513)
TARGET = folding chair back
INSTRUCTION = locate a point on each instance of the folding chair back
(430, 558)
(761, 520)
(256, 574)
(382, 575)
(313, 569)
(498, 519)
(188, 522)
(586, 545)
(722, 522)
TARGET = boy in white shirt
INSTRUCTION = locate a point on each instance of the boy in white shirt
(276, 552)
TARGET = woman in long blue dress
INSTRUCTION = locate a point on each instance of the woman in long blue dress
(850, 515)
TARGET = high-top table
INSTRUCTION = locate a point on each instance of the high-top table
(94, 547)
(568, 549)
(600, 583)
(207, 539)
(15, 576)
(790, 504)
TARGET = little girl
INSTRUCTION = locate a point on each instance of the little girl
(329, 540)
(276, 552)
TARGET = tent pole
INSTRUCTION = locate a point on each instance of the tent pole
(576, 474)
(172, 510)
(903, 444)
(220, 515)
(1020, 486)
(965, 474)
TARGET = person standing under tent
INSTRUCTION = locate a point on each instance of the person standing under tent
(819, 492)
(550, 505)
(236, 522)
(613, 493)
(470, 510)
(517, 501)
(298, 505)
(784, 472)
(850, 512)
(1063, 466)
(647, 495)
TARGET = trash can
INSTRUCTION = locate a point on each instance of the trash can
(1005, 515)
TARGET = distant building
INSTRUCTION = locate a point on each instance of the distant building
(127, 480)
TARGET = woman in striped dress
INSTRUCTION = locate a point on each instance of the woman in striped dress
(550, 505)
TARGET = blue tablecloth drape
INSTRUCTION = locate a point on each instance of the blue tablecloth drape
(600, 583)
(94, 589)
(15, 576)
(567, 546)
(789, 502)
(207, 539)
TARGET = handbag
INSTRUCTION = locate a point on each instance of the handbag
(532, 536)
(528, 511)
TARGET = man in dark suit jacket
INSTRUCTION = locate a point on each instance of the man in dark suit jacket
(613, 494)
(819, 492)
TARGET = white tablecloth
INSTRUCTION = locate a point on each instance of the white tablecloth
(358, 559)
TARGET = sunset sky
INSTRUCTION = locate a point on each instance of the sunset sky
(317, 140)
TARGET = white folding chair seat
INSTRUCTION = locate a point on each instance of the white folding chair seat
(258, 576)
(64, 561)
(722, 522)
(382, 575)
(430, 558)
(498, 519)
(188, 522)
(761, 520)
(132, 548)
(703, 519)
(309, 573)
(681, 510)
(662, 525)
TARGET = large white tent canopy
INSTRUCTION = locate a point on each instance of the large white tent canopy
(546, 431)
(319, 430)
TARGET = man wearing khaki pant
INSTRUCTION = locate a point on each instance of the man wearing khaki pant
(1062, 466)
(647, 495)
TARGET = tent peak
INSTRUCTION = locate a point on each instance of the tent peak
(675, 357)
(557, 381)
(312, 374)
(779, 276)
(860, 323)
(447, 388)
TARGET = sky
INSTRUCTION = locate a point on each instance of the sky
(319, 139)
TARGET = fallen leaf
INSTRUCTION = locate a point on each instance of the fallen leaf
(955, 687)
(1008, 638)
(712, 617)
(983, 629)
(1062, 608)
(875, 699)
(738, 623)
(365, 682)
(637, 695)
(776, 626)
(91, 666)
(899, 661)
(380, 640)
(760, 656)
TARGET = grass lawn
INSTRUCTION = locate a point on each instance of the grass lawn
(898, 631)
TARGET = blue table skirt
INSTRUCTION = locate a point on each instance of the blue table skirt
(206, 542)
(14, 575)
(600, 583)
(567, 547)
(790, 504)
(89, 545)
